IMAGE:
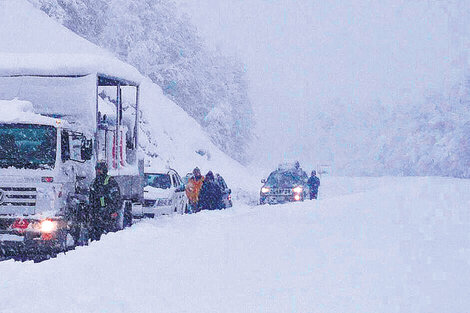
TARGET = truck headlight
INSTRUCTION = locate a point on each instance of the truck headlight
(265, 189)
(48, 226)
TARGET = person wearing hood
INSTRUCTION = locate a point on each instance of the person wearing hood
(210, 197)
(193, 187)
(313, 183)
(105, 202)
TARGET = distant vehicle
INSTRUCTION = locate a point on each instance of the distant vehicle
(288, 183)
(164, 194)
(226, 192)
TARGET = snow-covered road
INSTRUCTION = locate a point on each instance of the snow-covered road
(368, 245)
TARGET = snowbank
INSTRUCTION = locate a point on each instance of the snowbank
(385, 245)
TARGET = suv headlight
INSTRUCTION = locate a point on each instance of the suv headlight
(297, 189)
(265, 189)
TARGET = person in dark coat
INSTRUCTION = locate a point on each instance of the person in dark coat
(105, 202)
(210, 197)
(313, 182)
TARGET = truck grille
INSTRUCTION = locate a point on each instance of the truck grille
(17, 196)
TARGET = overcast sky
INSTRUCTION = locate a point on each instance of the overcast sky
(302, 55)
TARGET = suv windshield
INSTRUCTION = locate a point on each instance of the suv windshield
(158, 180)
(27, 146)
(283, 179)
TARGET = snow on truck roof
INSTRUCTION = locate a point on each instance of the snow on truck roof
(32, 44)
(20, 111)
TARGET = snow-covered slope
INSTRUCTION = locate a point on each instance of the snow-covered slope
(369, 245)
(32, 43)
(174, 139)
(371, 87)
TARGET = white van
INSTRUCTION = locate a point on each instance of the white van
(164, 193)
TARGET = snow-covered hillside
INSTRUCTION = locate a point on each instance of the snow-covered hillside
(173, 139)
(368, 245)
(372, 87)
(31, 41)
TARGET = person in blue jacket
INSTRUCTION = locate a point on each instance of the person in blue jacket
(210, 196)
(313, 182)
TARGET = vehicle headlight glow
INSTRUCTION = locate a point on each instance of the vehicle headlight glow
(297, 189)
(297, 197)
(265, 189)
(48, 226)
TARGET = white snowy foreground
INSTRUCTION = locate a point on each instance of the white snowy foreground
(368, 245)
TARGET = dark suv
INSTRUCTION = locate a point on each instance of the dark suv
(286, 184)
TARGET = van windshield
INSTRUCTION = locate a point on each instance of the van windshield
(27, 146)
(158, 180)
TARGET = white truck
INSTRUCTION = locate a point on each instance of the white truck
(53, 130)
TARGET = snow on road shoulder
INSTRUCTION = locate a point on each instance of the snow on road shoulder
(386, 245)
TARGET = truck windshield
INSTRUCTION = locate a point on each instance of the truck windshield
(27, 146)
(158, 180)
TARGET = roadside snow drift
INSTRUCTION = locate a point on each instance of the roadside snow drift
(368, 245)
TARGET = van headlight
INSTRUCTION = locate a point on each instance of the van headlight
(265, 189)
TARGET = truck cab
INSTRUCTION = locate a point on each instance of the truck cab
(50, 143)
(43, 161)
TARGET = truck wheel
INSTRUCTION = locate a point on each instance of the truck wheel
(61, 245)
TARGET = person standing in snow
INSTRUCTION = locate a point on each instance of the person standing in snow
(313, 182)
(105, 202)
(210, 197)
(193, 188)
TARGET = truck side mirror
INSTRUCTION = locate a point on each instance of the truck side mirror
(263, 181)
(87, 149)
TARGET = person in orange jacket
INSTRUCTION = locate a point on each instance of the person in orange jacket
(193, 187)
